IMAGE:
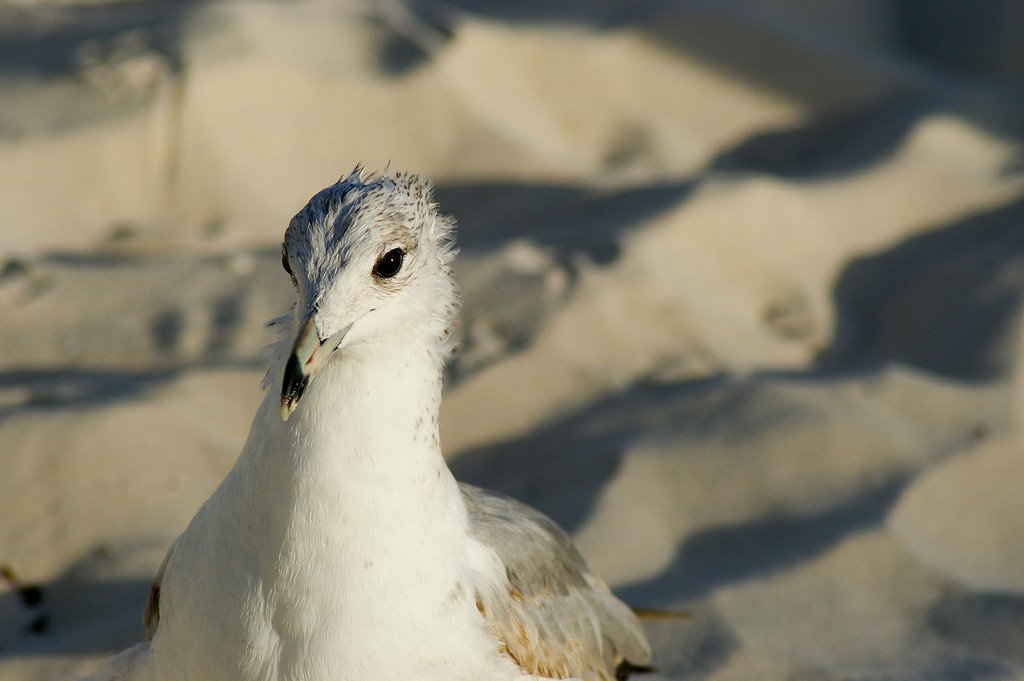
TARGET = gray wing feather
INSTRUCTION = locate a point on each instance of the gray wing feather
(558, 619)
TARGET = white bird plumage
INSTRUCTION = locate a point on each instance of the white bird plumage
(340, 546)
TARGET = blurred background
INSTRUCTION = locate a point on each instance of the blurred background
(742, 287)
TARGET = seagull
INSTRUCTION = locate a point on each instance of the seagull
(340, 546)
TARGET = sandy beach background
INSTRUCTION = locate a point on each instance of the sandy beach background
(743, 285)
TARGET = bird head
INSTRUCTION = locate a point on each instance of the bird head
(371, 263)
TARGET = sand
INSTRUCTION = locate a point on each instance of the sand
(742, 305)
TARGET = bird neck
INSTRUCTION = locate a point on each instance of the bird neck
(351, 494)
(365, 434)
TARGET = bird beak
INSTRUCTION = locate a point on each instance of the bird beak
(307, 357)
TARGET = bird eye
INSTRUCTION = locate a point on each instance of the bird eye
(389, 263)
(284, 263)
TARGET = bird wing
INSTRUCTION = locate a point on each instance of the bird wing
(557, 619)
(151, 616)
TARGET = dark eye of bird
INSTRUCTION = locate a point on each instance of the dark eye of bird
(284, 263)
(389, 263)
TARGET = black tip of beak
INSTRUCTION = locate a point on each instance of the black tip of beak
(308, 355)
(294, 384)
